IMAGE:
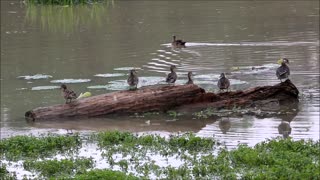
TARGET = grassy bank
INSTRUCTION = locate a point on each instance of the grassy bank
(128, 156)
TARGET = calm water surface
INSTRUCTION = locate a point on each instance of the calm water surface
(91, 48)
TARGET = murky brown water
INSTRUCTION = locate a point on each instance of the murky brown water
(91, 48)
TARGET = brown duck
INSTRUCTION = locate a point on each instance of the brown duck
(68, 94)
(172, 76)
(283, 71)
(133, 79)
(223, 83)
(190, 81)
(178, 43)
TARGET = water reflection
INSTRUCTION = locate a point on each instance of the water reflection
(224, 125)
(284, 128)
(67, 19)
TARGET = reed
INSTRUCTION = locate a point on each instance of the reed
(66, 19)
(62, 2)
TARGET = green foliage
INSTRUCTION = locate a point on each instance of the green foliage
(174, 114)
(21, 147)
(105, 174)
(62, 2)
(272, 159)
(68, 19)
(205, 114)
(4, 174)
(59, 168)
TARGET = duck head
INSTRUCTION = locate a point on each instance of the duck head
(222, 75)
(285, 60)
(190, 75)
(63, 87)
(174, 38)
(172, 68)
(133, 72)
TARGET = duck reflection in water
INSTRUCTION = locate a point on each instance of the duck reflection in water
(284, 128)
(224, 125)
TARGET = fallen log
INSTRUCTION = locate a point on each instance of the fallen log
(163, 98)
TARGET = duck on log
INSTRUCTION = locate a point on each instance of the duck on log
(163, 98)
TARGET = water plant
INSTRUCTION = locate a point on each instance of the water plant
(59, 168)
(4, 174)
(105, 174)
(68, 19)
(21, 147)
(62, 2)
(199, 158)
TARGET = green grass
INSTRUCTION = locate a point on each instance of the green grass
(22, 147)
(202, 158)
(59, 168)
(105, 174)
(4, 174)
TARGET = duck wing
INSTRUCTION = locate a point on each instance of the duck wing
(171, 78)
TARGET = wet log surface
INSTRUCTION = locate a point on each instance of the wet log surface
(166, 97)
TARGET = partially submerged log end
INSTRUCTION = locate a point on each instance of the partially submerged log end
(29, 116)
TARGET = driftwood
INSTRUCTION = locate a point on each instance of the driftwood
(163, 98)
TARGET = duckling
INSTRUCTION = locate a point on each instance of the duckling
(223, 83)
(190, 81)
(133, 79)
(178, 43)
(67, 94)
(172, 76)
(283, 71)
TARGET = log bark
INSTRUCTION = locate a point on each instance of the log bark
(163, 98)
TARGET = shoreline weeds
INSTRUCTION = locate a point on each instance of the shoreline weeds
(124, 154)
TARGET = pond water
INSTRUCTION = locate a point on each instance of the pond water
(91, 48)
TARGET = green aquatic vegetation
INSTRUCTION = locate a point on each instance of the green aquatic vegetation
(59, 168)
(21, 147)
(69, 18)
(191, 143)
(105, 174)
(123, 165)
(205, 114)
(277, 159)
(4, 174)
(61, 2)
(174, 114)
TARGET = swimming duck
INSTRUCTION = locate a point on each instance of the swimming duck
(283, 71)
(172, 76)
(133, 79)
(67, 94)
(178, 43)
(223, 82)
(190, 81)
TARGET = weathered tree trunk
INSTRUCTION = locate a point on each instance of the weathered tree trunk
(162, 98)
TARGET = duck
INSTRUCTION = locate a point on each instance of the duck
(68, 94)
(178, 43)
(133, 79)
(172, 76)
(283, 71)
(190, 81)
(223, 83)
